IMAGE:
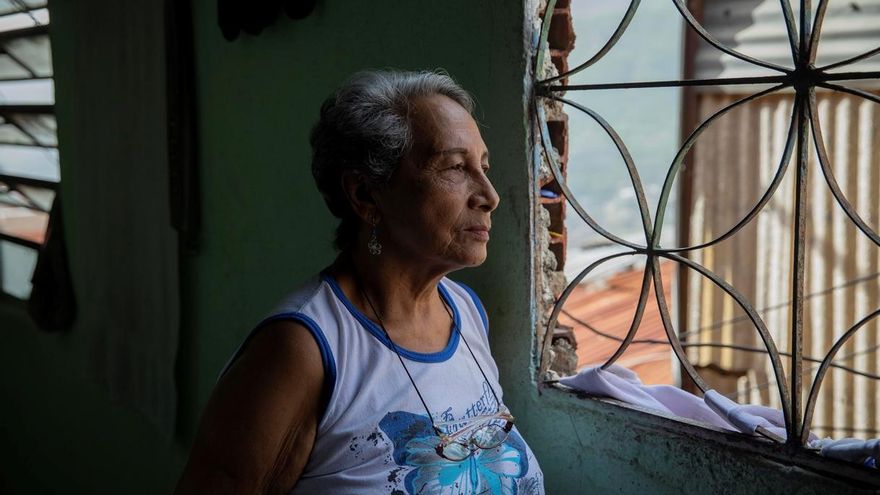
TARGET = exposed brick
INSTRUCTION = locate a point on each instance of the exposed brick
(561, 36)
(558, 247)
(560, 60)
(560, 40)
(557, 217)
(559, 136)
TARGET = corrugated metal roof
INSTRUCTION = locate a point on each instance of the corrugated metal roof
(757, 28)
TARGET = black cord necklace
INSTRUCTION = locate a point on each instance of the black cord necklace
(456, 328)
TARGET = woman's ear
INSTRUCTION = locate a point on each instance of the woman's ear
(360, 195)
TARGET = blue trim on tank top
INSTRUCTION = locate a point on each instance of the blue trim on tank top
(478, 304)
(375, 331)
(323, 346)
(327, 359)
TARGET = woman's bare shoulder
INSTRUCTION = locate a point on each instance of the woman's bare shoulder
(260, 423)
(283, 350)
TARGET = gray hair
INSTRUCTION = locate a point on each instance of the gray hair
(364, 127)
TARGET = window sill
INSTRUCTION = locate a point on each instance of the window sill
(694, 431)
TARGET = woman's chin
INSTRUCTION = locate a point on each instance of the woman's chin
(461, 256)
(476, 257)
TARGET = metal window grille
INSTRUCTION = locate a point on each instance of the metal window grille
(799, 83)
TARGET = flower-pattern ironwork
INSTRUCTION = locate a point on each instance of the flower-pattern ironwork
(804, 31)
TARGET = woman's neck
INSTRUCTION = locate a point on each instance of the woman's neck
(401, 293)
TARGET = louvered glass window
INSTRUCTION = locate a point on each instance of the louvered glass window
(29, 170)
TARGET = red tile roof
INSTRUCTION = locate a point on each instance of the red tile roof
(610, 309)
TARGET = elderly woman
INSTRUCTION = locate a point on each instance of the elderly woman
(375, 376)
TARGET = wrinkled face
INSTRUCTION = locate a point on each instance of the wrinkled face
(436, 208)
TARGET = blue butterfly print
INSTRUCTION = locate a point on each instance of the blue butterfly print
(492, 471)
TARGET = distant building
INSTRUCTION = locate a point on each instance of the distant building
(732, 165)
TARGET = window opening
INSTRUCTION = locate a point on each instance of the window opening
(771, 260)
(29, 168)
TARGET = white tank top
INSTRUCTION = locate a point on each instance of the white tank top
(375, 436)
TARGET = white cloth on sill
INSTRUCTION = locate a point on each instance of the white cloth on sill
(714, 408)
(747, 418)
(624, 385)
(865, 452)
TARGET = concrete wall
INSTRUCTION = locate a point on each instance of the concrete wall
(265, 229)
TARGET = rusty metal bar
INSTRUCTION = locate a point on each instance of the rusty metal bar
(825, 165)
(673, 83)
(817, 32)
(867, 54)
(797, 282)
(637, 317)
(817, 75)
(823, 368)
(542, 40)
(692, 21)
(666, 318)
(790, 27)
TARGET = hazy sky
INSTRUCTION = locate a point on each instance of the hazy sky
(647, 120)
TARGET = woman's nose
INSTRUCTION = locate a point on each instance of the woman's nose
(485, 197)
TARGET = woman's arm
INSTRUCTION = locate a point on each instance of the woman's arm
(259, 426)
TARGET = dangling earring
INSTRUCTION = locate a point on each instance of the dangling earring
(373, 244)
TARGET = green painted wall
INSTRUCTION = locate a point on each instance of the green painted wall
(265, 229)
